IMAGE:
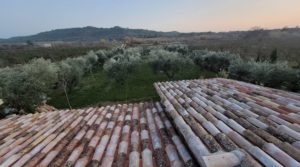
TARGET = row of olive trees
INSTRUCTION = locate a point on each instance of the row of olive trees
(169, 60)
(267, 73)
(213, 61)
(23, 87)
(169, 63)
(275, 75)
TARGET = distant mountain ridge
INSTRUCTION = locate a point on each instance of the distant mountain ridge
(91, 34)
(88, 34)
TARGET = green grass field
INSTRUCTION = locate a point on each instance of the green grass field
(97, 89)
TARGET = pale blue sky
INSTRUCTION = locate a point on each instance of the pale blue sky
(25, 17)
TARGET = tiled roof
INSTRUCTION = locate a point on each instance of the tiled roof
(119, 135)
(221, 115)
(210, 123)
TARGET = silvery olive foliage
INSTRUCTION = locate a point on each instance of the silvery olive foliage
(24, 87)
(213, 61)
(169, 63)
(276, 75)
(120, 66)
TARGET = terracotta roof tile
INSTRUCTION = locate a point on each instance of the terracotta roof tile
(253, 125)
(210, 123)
(119, 135)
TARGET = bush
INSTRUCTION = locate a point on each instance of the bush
(222, 74)
(168, 62)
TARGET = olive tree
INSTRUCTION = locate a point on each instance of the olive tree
(213, 61)
(180, 48)
(276, 75)
(241, 70)
(120, 66)
(91, 61)
(102, 57)
(67, 78)
(169, 63)
(25, 87)
(282, 76)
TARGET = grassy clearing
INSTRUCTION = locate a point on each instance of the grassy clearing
(97, 89)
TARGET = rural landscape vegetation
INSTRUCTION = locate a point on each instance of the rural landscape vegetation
(88, 66)
(150, 83)
(80, 74)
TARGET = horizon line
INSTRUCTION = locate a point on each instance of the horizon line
(208, 31)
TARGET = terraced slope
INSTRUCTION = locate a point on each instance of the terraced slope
(220, 115)
(119, 135)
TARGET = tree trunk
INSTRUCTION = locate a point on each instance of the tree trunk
(66, 94)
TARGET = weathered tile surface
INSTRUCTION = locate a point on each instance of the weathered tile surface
(119, 135)
(210, 123)
(259, 126)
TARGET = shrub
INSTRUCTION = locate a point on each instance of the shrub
(223, 74)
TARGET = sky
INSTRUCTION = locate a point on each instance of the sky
(27, 17)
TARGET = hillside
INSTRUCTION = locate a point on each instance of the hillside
(88, 34)
(253, 44)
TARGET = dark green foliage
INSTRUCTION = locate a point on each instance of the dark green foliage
(182, 49)
(213, 61)
(30, 43)
(273, 56)
(240, 70)
(277, 75)
(283, 77)
(12, 56)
